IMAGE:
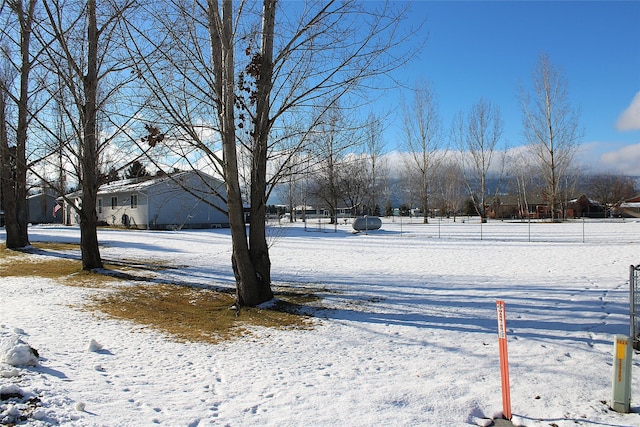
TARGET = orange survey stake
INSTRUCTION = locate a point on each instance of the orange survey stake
(504, 359)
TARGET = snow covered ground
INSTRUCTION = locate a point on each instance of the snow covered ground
(410, 337)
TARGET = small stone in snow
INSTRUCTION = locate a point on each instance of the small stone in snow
(80, 406)
(517, 421)
(94, 345)
(39, 415)
(10, 373)
(482, 422)
(13, 411)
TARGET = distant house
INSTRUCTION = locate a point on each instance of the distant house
(584, 207)
(507, 206)
(41, 208)
(504, 206)
(630, 208)
(537, 207)
(181, 200)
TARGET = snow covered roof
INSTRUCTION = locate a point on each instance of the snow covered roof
(131, 184)
(635, 205)
(304, 207)
(139, 184)
(142, 183)
(590, 200)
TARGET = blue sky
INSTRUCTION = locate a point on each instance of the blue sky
(488, 49)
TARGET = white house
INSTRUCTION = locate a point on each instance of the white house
(181, 200)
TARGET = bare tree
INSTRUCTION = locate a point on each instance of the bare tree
(450, 188)
(333, 140)
(84, 58)
(16, 89)
(409, 187)
(524, 176)
(424, 141)
(551, 127)
(210, 58)
(376, 165)
(611, 189)
(7, 161)
(353, 185)
(477, 138)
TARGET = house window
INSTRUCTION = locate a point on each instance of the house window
(134, 201)
(114, 202)
(99, 206)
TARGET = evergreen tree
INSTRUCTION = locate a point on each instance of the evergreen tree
(136, 170)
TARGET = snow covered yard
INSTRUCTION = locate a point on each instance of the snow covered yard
(405, 332)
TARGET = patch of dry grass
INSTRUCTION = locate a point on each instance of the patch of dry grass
(45, 260)
(188, 314)
(53, 268)
(56, 246)
(26, 262)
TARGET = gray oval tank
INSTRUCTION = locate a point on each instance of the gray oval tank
(367, 223)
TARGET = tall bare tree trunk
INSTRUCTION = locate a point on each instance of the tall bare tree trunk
(250, 284)
(89, 157)
(7, 180)
(16, 213)
(259, 250)
(424, 140)
(551, 127)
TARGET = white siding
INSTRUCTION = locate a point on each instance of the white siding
(163, 203)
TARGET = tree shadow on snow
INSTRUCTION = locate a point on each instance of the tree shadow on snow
(533, 312)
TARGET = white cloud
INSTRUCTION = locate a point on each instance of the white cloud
(626, 159)
(630, 118)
